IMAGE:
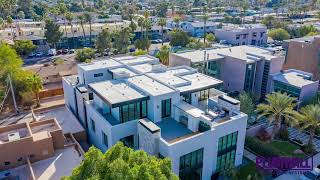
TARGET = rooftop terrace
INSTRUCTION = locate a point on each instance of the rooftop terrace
(294, 77)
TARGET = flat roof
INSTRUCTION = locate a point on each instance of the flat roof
(143, 68)
(149, 85)
(171, 129)
(61, 164)
(116, 92)
(123, 70)
(198, 82)
(246, 53)
(133, 60)
(293, 78)
(108, 63)
(153, 128)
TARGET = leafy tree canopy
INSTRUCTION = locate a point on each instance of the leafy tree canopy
(120, 162)
(179, 38)
(85, 55)
(52, 32)
(24, 47)
(279, 34)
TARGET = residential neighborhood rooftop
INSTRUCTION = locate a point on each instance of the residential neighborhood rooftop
(294, 77)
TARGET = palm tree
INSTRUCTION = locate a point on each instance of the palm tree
(62, 8)
(162, 22)
(141, 25)
(309, 119)
(278, 110)
(163, 54)
(9, 23)
(36, 86)
(69, 18)
(88, 19)
(177, 21)
(205, 18)
(81, 20)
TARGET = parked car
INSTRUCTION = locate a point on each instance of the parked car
(59, 52)
(52, 52)
(39, 54)
(71, 51)
(65, 51)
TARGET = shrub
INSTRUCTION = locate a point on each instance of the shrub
(263, 135)
(140, 52)
(84, 54)
(261, 148)
(308, 149)
(203, 127)
(283, 134)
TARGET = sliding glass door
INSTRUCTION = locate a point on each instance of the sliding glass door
(166, 108)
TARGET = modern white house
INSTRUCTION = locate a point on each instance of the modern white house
(249, 34)
(296, 83)
(167, 112)
(241, 68)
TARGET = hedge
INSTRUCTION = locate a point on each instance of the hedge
(261, 148)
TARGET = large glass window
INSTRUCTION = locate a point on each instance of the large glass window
(226, 151)
(191, 165)
(214, 69)
(186, 98)
(133, 111)
(286, 88)
(104, 139)
(249, 78)
(166, 108)
(93, 125)
(204, 95)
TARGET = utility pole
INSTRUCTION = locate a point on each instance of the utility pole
(13, 95)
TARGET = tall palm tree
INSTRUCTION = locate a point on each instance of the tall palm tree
(278, 110)
(88, 19)
(9, 23)
(141, 25)
(82, 21)
(309, 118)
(205, 18)
(69, 18)
(162, 22)
(62, 8)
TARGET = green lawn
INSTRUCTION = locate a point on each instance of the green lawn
(286, 148)
(246, 170)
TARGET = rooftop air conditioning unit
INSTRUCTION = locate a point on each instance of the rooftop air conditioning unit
(13, 136)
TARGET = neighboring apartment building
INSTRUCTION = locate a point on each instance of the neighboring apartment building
(167, 112)
(33, 141)
(253, 34)
(296, 83)
(196, 29)
(241, 68)
(303, 54)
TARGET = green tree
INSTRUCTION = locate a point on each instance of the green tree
(9, 21)
(161, 9)
(195, 44)
(306, 30)
(85, 55)
(211, 38)
(24, 47)
(246, 104)
(69, 17)
(120, 162)
(10, 62)
(279, 34)
(143, 44)
(103, 41)
(25, 6)
(88, 19)
(309, 119)
(140, 52)
(62, 9)
(162, 22)
(122, 40)
(7, 7)
(205, 18)
(278, 110)
(179, 38)
(21, 15)
(34, 82)
(52, 32)
(163, 54)
(82, 21)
